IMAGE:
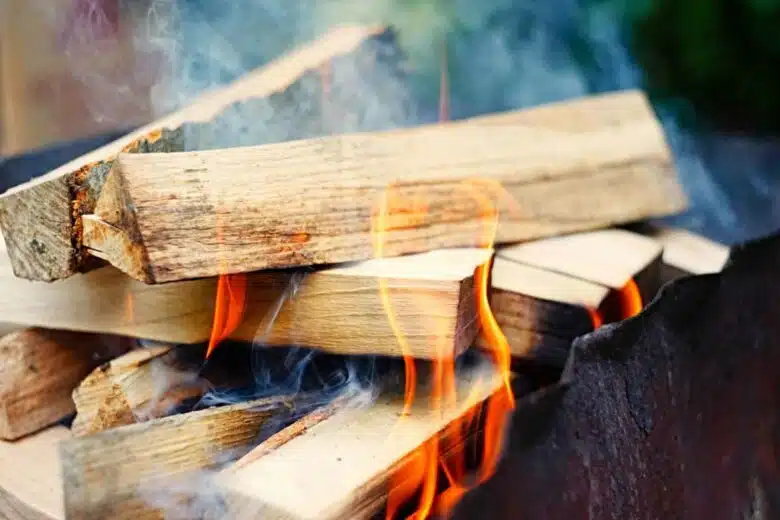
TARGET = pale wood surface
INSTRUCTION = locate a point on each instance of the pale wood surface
(36, 217)
(337, 309)
(120, 473)
(135, 387)
(31, 478)
(609, 257)
(358, 449)
(39, 369)
(310, 202)
(689, 252)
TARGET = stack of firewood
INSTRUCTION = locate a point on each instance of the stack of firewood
(297, 226)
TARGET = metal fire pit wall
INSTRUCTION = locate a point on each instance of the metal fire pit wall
(673, 414)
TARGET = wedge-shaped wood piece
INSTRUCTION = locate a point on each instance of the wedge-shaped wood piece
(359, 449)
(123, 472)
(686, 252)
(40, 219)
(31, 477)
(338, 309)
(141, 385)
(175, 216)
(608, 257)
(39, 369)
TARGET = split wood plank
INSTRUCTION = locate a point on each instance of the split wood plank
(39, 368)
(540, 312)
(138, 386)
(337, 309)
(686, 252)
(359, 449)
(40, 219)
(548, 292)
(176, 216)
(131, 472)
(31, 477)
(609, 257)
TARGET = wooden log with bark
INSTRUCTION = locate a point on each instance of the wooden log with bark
(40, 220)
(132, 472)
(338, 309)
(39, 369)
(359, 449)
(31, 486)
(141, 385)
(176, 216)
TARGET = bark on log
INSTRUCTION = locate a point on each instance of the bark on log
(177, 216)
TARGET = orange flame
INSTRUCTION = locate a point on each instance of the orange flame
(595, 318)
(419, 474)
(229, 308)
(630, 300)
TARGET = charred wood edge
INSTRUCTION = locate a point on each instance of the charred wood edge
(86, 184)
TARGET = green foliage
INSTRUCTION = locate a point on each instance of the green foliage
(721, 56)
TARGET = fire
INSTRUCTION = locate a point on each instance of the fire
(444, 454)
(228, 309)
(630, 300)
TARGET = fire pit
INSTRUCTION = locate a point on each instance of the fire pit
(343, 322)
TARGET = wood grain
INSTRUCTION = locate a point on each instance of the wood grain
(40, 219)
(138, 386)
(119, 473)
(39, 369)
(194, 214)
(338, 309)
(359, 448)
(31, 478)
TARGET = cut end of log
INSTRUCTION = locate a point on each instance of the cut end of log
(115, 245)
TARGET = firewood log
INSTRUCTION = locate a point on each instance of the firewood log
(31, 478)
(339, 309)
(138, 386)
(163, 217)
(358, 448)
(687, 253)
(122, 472)
(39, 369)
(548, 292)
(40, 219)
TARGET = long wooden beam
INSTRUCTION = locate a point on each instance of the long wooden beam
(40, 219)
(177, 216)
(339, 309)
(120, 473)
(359, 449)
